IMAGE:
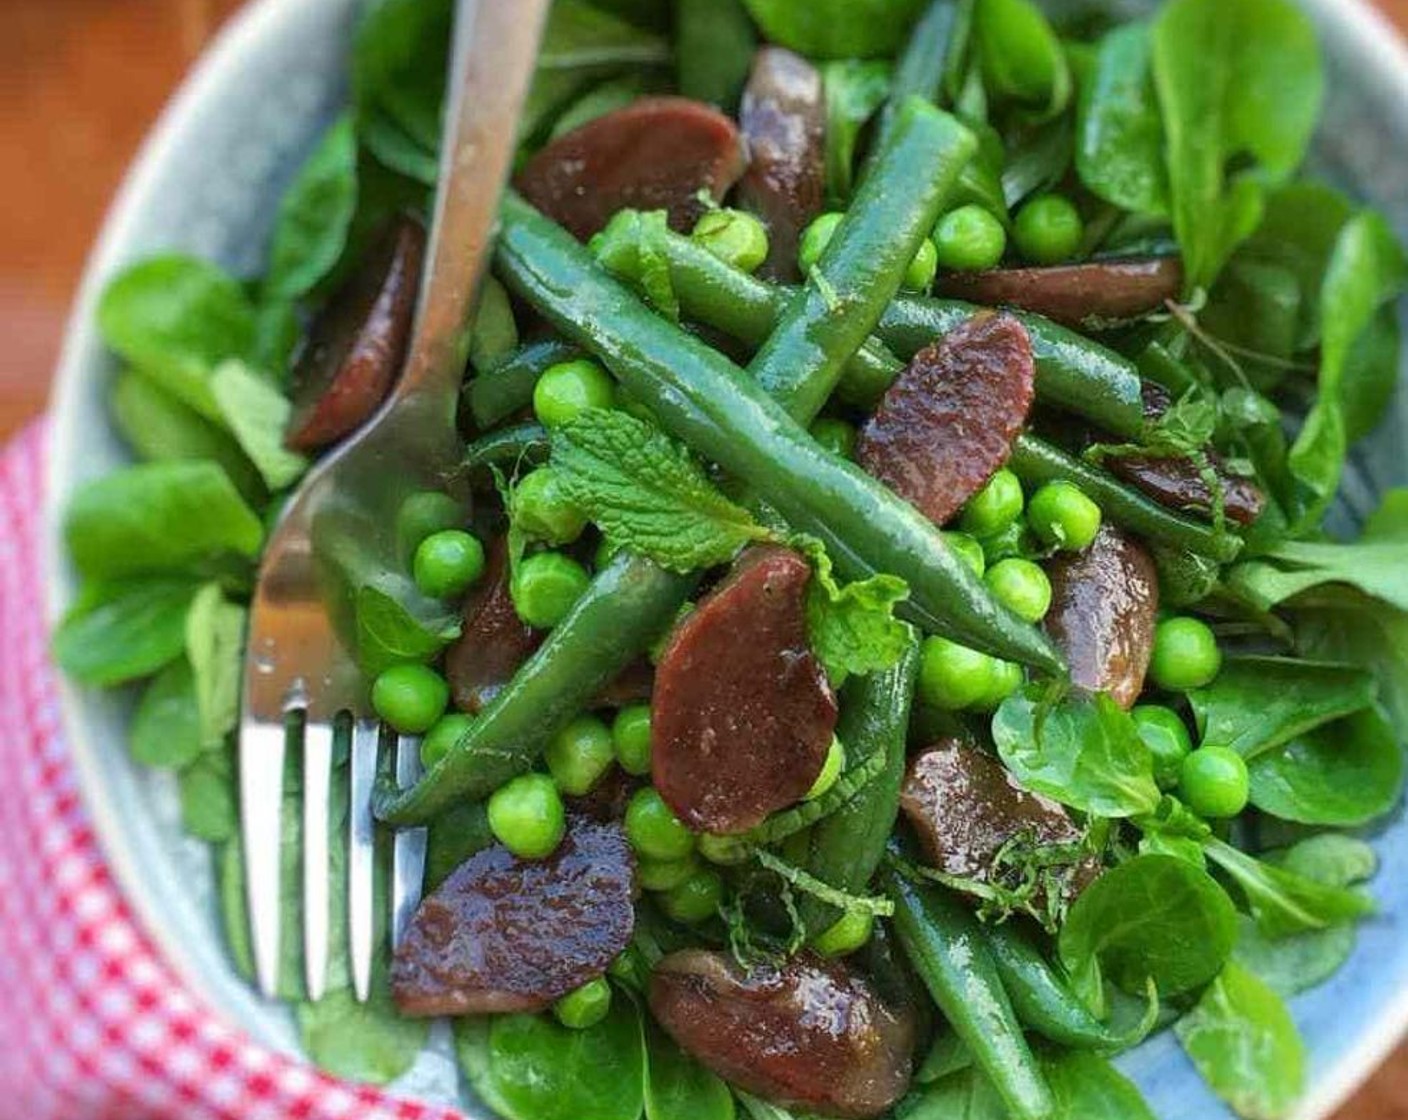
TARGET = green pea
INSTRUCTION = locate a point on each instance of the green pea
(1166, 736)
(543, 511)
(952, 676)
(411, 698)
(423, 513)
(969, 239)
(1063, 517)
(830, 770)
(545, 588)
(447, 563)
(665, 875)
(579, 755)
(630, 736)
(441, 738)
(847, 934)
(993, 508)
(734, 236)
(836, 436)
(1048, 229)
(919, 276)
(1214, 782)
(815, 238)
(526, 816)
(1007, 678)
(585, 1007)
(695, 900)
(653, 830)
(1020, 586)
(1185, 655)
(569, 388)
(969, 549)
(726, 851)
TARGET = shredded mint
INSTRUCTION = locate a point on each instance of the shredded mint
(824, 892)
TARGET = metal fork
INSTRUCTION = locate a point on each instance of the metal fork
(340, 531)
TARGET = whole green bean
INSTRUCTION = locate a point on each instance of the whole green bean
(627, 606)
(702, 398)
(946, 946)
(1036, 462)
(522, 443)
(499, 392)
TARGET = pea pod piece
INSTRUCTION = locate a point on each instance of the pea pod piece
(499, 392)
(946, 946)
(626, 607)
(522, 443)
(700, 397)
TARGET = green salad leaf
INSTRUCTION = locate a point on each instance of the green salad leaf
(165, 729)
(1347, 625)
(394, 626)
(1022, 59)
(826, 29)
(1119, 133)
(398, 66)
(1087, 1086)
(315, 215)
(1245, 1044)
(119, 632)
(676, 1086)
(215, 649)
(257, 413)
(208, 801)
(964, 1095)
(370, 1042)
(855, 91)
(1284, 902)
(714, 45)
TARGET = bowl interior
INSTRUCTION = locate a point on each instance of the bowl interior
(206, 183)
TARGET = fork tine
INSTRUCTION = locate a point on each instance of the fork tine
(408, 856)
(317, 794)
(361, 856)
(263, 746)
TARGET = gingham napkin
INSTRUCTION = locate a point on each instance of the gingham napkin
(93, 1024)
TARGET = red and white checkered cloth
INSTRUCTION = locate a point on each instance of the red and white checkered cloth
(94, 1025)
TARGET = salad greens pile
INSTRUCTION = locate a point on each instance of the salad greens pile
(1182, 133)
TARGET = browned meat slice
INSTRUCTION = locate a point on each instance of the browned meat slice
(357, 344)
(1091, 296)
(964, 806)
(655, 154)
(807, 1034)
(505, 934)
(1104, 605)
(947, 423)
(783, 118)
(743, 714)
(494, 641)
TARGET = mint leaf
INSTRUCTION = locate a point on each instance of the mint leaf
(647, 493)
(853, 628)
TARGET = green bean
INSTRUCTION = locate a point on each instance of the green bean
(702, 398)
(946, 946)
(502, 390)
(627, 606)
(1036, 462)
(522, 443)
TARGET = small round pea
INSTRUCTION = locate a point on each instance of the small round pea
(1048, 229)
(994, 507)
(1007, 678)
(411, 698)
(815, 238)
(568, 388)
(585, 1007)
(847, 934)
(919, 276)
(579, 755)
(526, 816)
(969, 239)
(1185, 655)
(666, 874)
(734, 236)
(630, 736)
(952, 676)
(830, 770)
(1063, 517)
(447, 563)
(542, 510)
(694, 900)
(441, 738)
(1214, 782)
(653, 830)
(545, 587)
(727, 851)
(969, 549)
(1166, 736)
(1020, 586)
(836, 436)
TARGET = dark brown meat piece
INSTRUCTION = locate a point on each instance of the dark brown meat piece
(1104, 606)
(357, 344)
(964, 806)
(807, 1034)
(743, 714)
(783, 117)
(947, 423)
(1095, 295)
(493, 643)
(505, 934)
(655, 154)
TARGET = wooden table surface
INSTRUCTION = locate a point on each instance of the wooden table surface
(83, 81)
